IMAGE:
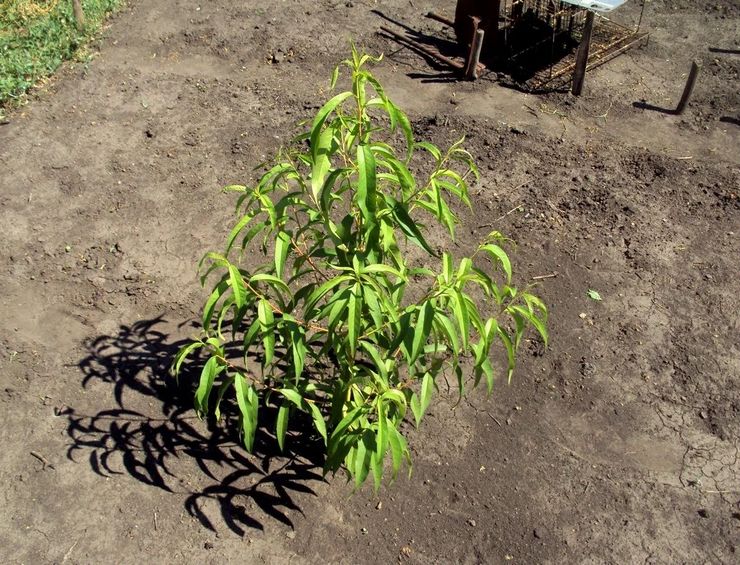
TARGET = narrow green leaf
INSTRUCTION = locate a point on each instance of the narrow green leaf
(266, 320)
(226, 384)
(271, 280)
(318, 420)
(407, 225)
(362, 461)
(499, 256)
(348, 420)
(320, 118)
(334, 77)
(427, 389)
(203, 392)
(321, 291)
(281, 425)
(422, 329)
(240, 225)
(322, 160)
(354, 318)
(461, 314)
(534, 321)
(246, 398)
(366, 185)
(282, 246)
(295, 397)
(430, 148)
(237, 285)
(416, 409)
(510, 353)
(182, 355)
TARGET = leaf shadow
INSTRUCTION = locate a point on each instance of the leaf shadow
(150, 432)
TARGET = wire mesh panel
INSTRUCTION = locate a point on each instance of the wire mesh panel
(534, 41)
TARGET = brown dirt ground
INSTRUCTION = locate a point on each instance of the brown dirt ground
(619, 444)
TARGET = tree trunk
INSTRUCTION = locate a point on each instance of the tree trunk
(79, 14)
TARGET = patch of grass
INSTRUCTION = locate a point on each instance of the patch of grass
(36, 36)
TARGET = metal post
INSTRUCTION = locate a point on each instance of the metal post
(688, 89)
(471, 71)
(579, 74)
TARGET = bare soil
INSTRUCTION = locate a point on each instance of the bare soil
(618, 444)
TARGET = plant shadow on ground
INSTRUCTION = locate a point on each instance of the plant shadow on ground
(150, 427)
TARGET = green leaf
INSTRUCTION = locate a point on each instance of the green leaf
(321, 291)
(427, 389)
(226, 384)
(294, 396)
(202, 394)
(594, 295)
(381, 438)
(281, 425)
(460, 309)
(318, 420)
(422, 329)
(241, 224)
(252, 232)
(362, 460)
(248, 402)
(380, 268)
(266, 320)
(322, 160)
(182, 355)
(510, 353)
(320, 118)
(354, 318)
(366, 185)
(271, 280)
(500, 256)
(448, 329)
(237, 285)
(282, 246)
(430, 148)
(347, 421)
(298, 345)
(533, 320)
(407, 225)
(416, 409)
(334, 77)
(399, 450)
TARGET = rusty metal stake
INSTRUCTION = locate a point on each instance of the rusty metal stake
(688, 89)
(447, 21)
(579, 74)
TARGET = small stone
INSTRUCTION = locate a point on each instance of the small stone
(290, 534)
(536, 533)
(378, 506)
(703, 415)
(363, 530)
(471, 522)
(703, 513)
(208, 545)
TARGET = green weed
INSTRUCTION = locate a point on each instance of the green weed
(38, 36)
